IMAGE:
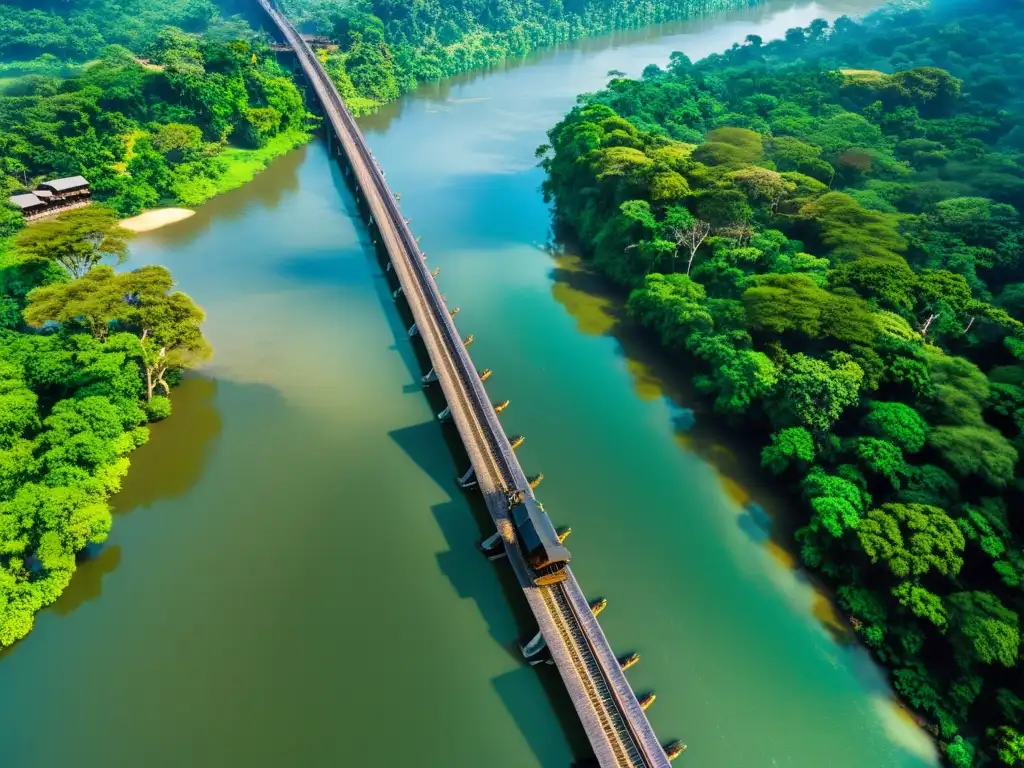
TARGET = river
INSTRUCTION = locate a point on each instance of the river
(292, 579)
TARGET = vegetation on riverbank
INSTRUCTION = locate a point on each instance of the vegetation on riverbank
(828, 227)
(52, 37)
(87, 358)
(387, 48)
(195, 119)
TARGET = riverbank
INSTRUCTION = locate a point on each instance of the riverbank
(293, 432)
(443, 49)
(237, 167)
(738, 245)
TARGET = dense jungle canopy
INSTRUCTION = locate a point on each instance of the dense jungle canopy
(826, 228)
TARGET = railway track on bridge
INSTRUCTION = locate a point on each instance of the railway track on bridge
(608, 708)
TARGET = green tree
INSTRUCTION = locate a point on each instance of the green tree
(92, 302)
(976, 450)
(77, 240)
(673, 305)
(167, 323)
(793, 445)
(897, 423)
(983, 629)
(912, 539)
(818, 391)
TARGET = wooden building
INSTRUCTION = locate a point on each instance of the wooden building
(71, 188)
(29, 205)
(53, 197)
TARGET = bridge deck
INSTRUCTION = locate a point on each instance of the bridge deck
(607, 707)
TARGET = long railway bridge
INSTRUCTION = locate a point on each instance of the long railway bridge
(609, 710)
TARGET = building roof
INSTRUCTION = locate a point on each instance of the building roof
(27, 201)
(65, 185)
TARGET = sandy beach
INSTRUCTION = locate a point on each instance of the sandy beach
(155, 219)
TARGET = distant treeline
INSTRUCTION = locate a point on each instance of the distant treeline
(827, 228)
(387, 47)
(77, 30)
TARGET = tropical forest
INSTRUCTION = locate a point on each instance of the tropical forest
(387, 47)
(825, 230)
(818, 228)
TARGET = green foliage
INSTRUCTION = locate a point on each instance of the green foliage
(897, 423)
(816, 392)
(959, 753)
(977, 451)
(847, 202)
(882, 458)
(671, 304)
(158, 408)
(386, 49)
(791, 446)
(983, 628)
(71, 407)
(146, 133)
(912, 539)
(1009, 745)
(77, 240)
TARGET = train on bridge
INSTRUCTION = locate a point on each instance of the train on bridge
(537, 538)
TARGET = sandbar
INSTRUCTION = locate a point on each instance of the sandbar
(159, 217)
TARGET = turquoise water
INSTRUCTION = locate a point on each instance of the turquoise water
(292, 576)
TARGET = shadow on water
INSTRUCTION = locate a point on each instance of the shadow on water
(516, 693)
(171, 463)
(507, 619)
(506, 614)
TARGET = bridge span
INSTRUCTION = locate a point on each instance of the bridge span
(611, 715)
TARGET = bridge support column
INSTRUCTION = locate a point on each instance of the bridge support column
(445, 414)
(430, 378)
(388, 267)
(468, 480)
(492, 547)
(534, 647)
(413, 330)
(398, 291)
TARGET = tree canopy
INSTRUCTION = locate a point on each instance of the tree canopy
(87, 357)
(854, 296)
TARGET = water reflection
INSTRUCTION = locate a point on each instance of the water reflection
(266, 190)
(87, 584)
(171, 463)
(579, 290)
(762, 511)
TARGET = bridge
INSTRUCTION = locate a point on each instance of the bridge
(609, 710)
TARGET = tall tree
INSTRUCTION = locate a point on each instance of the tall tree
(77, 240)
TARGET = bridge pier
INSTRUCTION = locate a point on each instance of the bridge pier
(398, 291)
(468, 480)
(430, 378)
(608, 708)
(492, 547)
(446, 414)
(535, 646)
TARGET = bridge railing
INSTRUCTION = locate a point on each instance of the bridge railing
(512, 474)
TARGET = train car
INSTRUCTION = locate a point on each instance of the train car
(537, 538)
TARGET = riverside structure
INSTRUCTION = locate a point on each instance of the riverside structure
(607, 706)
